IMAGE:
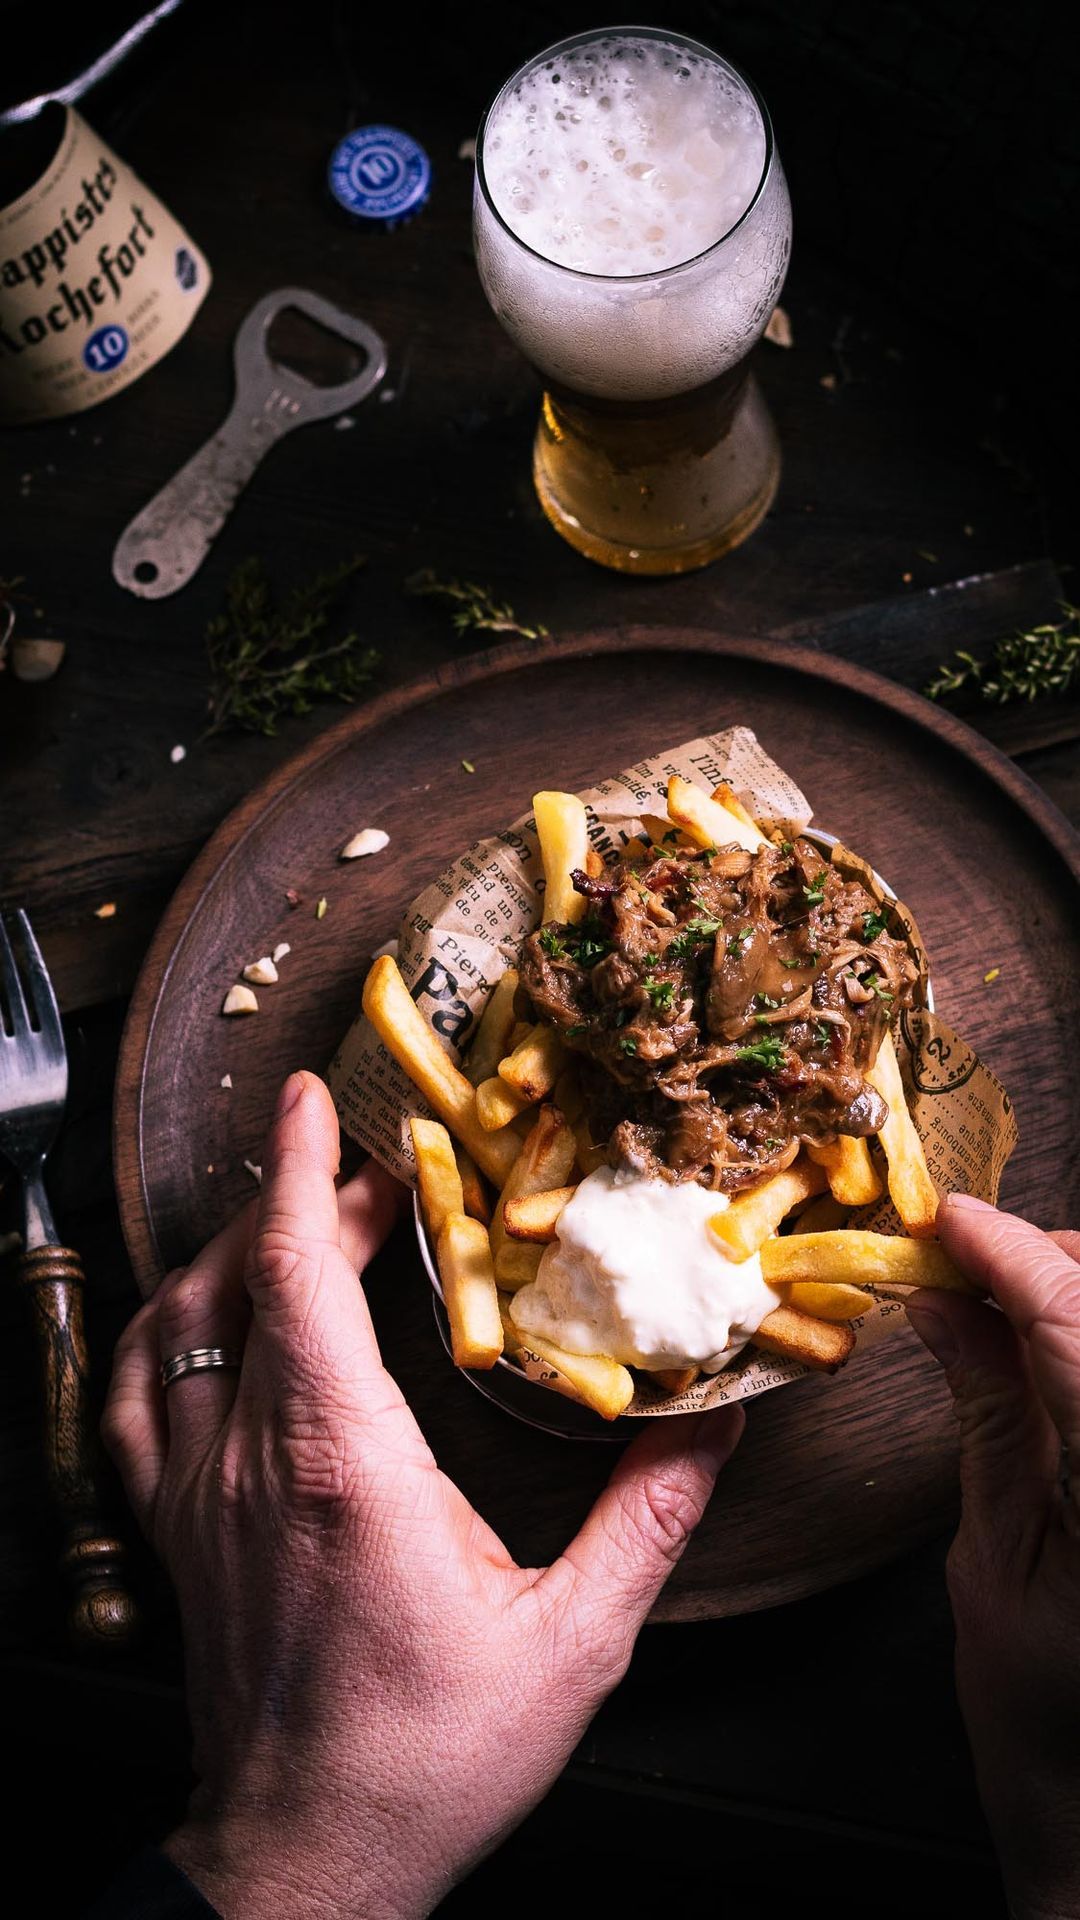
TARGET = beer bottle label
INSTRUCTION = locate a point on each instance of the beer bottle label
(97, 282)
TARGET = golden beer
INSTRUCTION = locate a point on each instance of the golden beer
(646, 155)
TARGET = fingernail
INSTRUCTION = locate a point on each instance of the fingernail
(935, 1332)
(714, 1439)
(966, 1202)
(289, 1095)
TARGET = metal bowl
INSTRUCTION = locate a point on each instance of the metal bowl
(505, 1384)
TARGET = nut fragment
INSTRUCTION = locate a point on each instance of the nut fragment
(262, 972)
(35, 659)
(280, 951)
(240, 1000)
(226, 1079)
(368, 840)
(107, 910)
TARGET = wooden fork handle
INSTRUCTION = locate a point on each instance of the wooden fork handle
(102, 1611)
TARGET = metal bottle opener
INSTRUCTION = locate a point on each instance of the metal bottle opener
(166, 543)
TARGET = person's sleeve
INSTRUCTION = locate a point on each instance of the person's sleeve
(151, 1887)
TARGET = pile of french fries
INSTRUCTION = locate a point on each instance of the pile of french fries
(512, 1142)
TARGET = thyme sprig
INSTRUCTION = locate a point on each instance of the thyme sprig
(475, 607)
(1023, 666)
(263, 665)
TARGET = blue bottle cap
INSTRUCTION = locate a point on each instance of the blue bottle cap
(379, 174)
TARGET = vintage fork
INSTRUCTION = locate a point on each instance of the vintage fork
(33, 1090)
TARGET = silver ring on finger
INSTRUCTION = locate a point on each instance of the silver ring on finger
(198, 1360)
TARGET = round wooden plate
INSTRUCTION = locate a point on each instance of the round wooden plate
(833, 1476)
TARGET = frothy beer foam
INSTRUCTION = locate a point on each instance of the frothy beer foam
(624, 156)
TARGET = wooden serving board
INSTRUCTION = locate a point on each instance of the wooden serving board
(834, 1476)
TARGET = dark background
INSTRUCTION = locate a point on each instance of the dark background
(931, 151)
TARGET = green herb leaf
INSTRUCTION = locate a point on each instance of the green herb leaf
(739, 942)
(474, 606)
(874, 924)
(579, 1027)
(822, 1033)
(661, 993)
(590, 943)
(552, 943)
(1023, 666)
(263, 665)
(627, 1043)
(765, 1000)
(468, 766)
(651, 961)
(815, 894)
(871, 980)
(764, 1053)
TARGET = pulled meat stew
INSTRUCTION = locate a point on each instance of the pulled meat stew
(724, 1007)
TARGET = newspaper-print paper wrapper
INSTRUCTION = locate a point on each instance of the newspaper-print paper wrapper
(465, 929)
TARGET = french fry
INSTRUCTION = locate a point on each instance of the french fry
(596, 1381)
(519, 1264)
(562, 827)
(675, 1379)
(827, 1299)
(821, 1215)
(473, 1191)
(402, 1029)
(544, 1162)
(535, 1216)
(727, 797)
(911, 1189)
(796, 1336)
(497, 1104)
(441, 1191)
(665, 834)
(705, 821)
(754, 1216)
(589, 1155)
(468, 1283)
(520, 1031)
(535, 1065)
(861, 1259)
(852, 1176)
(492, 1037)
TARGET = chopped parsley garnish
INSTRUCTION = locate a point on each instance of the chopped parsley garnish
(764, 1053)
(708, 853)
(787, 846)
(739, 942)
(650, 961)
(815, 894)
(822, 1033)
(672, 839)
(628, 1043)
(572, 1031)
(590, 943)
(765, 1000)
(871, 980)
(552, 943)
(694, 934)
(661, 993)
(873, 924)
(774, 1145)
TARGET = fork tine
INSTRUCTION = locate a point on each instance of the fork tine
(9, 980)
(41, 987)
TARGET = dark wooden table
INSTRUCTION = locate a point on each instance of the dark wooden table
(924, 505)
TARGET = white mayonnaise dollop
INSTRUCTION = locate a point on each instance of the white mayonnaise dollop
(636, 1274)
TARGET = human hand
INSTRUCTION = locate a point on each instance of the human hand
(378, 1694)
(1014, 1567)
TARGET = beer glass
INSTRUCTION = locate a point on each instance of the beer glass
(612, 150)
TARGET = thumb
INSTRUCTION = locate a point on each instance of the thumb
(1009, 1450)
(613, 1570)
